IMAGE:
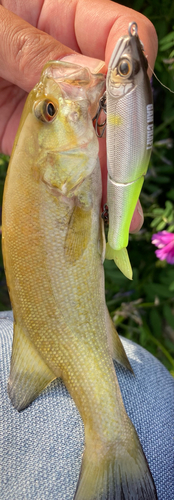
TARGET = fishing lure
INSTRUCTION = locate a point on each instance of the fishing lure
(129, 133)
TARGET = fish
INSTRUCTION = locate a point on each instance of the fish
(53, 249)
(129, 130)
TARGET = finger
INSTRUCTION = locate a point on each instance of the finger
(55, 18)
(12, 100)
(72, 22)
(29, 11)
(26, 49)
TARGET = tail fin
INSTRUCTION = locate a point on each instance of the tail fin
(115, 477)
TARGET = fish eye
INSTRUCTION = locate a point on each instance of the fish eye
(45, 111)
(125, 68)
(50, 110)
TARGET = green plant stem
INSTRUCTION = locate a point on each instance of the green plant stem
(161, 347)
(149, 215)
(153, 339)
(112, 302)
(163, 125)
(132, 328)
(145, 305)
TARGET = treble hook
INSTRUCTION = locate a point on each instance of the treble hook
(102, 106)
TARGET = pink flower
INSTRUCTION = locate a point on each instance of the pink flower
(165, 242)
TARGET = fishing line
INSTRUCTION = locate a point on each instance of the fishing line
(165, 86)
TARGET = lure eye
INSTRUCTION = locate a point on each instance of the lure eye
(45, 111)
(125, 68)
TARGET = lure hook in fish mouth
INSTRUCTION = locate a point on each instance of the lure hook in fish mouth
(97, 126)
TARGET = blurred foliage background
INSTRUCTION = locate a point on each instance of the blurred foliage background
(143, 309)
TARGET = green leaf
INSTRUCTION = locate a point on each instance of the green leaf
(163, 179)
(154, 290)
(170, 217)
(155, 321)
(166, 46)
(168, 209)
(161, 226)
(168, 38)
(167, 276)
(158, 66)
(158, 211)
(164, 169)
(168, 314)
(155, 221)
(171, 287)
(143, 336)
(170, 194)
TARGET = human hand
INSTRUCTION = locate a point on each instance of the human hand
(52, 30)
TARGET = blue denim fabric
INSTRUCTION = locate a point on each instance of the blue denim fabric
(41, 447)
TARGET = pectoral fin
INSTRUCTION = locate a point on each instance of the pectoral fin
(116, 346)
(78, 234)
(29, 374)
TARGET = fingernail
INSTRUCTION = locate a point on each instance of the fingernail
(95, 65)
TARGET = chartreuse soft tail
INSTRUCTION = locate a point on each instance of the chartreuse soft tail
(121, 259)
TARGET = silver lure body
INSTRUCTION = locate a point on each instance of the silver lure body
(129, 132)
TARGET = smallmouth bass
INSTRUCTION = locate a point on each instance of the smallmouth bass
(53, 249)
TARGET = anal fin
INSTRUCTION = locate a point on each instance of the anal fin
(115, 344)
(29, 374)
